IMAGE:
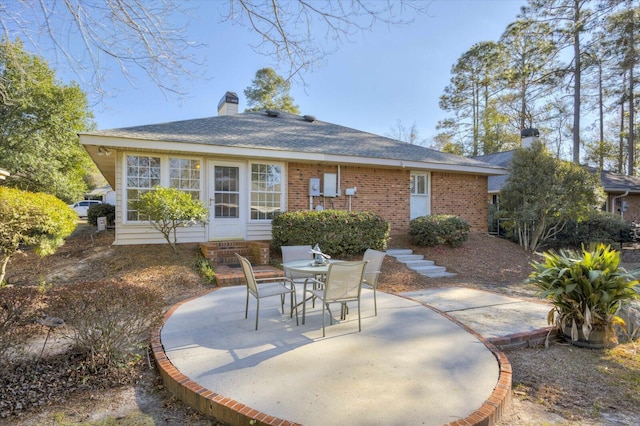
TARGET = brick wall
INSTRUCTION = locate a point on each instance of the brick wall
(382, 191)
(386, 193)
(633, 202)
(461, 195)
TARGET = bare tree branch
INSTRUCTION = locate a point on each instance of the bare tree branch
(93, 36)
(287, 27)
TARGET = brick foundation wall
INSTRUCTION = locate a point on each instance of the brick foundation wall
(461, 195)
(386, 193)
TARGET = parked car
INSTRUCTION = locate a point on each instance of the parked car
(81, 207)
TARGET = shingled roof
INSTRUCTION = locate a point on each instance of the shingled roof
(285, 133)
(610, 181)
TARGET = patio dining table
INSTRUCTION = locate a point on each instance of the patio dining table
(308, 266)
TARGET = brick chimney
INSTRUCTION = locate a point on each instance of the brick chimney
(228, 105)
(529, 136)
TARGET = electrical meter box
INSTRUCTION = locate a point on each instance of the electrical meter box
(330, 184)
(314, 187)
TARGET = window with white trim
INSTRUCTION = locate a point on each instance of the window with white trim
(184, 174)
(419, 184)
(144, 172)
(266, 191)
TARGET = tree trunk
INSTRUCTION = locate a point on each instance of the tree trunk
(631, 140)
(3, 269)
(576, 89)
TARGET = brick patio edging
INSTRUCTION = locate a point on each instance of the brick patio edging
(494, 407)
(199, 398)
(230, 411)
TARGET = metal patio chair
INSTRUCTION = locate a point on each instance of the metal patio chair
(267, 287)
(343, 284)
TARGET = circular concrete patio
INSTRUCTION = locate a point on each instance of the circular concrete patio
(409, 365)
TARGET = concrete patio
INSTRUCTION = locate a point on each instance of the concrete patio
(411, 364)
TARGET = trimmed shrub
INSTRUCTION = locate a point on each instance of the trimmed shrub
(439, 230)
(99, 210)
(36, 220)
(337, 232)
(599, 227)
(107, 321)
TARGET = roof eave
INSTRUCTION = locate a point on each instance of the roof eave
(92, 140)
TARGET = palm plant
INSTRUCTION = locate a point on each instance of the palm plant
(587, 288)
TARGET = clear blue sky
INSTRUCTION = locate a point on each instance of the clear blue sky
(381, 77)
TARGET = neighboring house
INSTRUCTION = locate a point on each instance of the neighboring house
(622, 191)
(247, 166)
(106, 194)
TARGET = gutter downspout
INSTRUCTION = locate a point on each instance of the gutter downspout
(614, 203)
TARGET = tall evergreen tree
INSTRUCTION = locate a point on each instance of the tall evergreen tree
(270, 91)
(474, 83)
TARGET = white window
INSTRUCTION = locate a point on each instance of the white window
(266, 191)
(419, 184)
(144, 172)
(184, 174)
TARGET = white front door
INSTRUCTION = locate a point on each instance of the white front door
(420, 190)
(226, 182)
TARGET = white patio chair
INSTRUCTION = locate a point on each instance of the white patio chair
(291, 253)
(343, 284)
(372, 272)
(267, 287)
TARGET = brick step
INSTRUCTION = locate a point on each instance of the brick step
(224, 252)
(229, 276)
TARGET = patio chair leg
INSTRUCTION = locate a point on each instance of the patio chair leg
(294, 304)
(246, 307)
(359, 324)
(257, 310)
(323, 333)
(304, 307)
(375, 302)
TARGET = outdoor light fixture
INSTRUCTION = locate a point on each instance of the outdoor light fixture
(103, 151)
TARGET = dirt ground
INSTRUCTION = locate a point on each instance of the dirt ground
(560, 385)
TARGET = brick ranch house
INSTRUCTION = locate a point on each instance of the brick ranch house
(246, 166)
(622, 191)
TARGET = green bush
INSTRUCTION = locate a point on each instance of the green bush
(167, 209)
(439, 230)
(35, 220)
(107, 321)
(598, 227)
(337, 232)
(100, 210)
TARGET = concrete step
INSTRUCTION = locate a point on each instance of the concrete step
(404, 258)
(418, 263)
(440, 274)
(424, 270)
(399, 252)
